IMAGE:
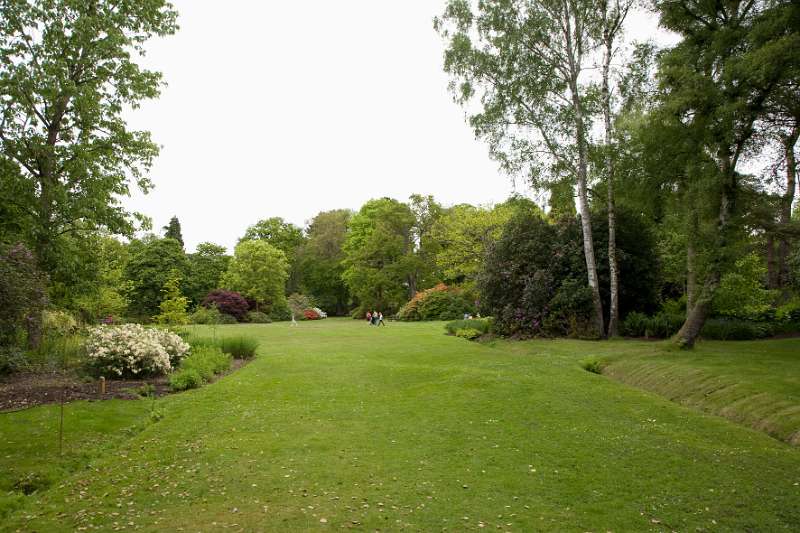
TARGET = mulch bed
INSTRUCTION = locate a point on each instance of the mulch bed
(28, 389)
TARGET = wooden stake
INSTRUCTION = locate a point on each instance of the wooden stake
(102, 385)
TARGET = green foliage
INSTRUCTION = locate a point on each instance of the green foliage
(287, 238)
(468, 333)
(174, 303)
(240, 347)
(58, 323)
(727, 329)
(438, 303)
(68, 76)
(185, 379)
(660, 325)
(227, 319)
(152, 262)
(256, 317)
(481, 325)
(379, 257)
(207, 315)
(280, 313)
(298, 303)
(173, 230)
(321, 261)
(23, 297)
(106, 293)
(741, 293)
(593, 365)
(258, 271)
(206, 267)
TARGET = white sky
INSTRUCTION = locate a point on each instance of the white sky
(278, 108)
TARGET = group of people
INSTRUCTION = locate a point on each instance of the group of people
(375, 318)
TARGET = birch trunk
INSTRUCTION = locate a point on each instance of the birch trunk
(786, 205)
(613, 271)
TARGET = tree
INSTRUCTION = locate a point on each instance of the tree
(613, 13)
(379, 255)
(173, 230)
(715, 86)
(106, 293)
(463, 234)
(426, 213)
(148, 269)
(206, 267)
(284, 236)
(173, 304)
(258, 271)
(321, 261)
(521, 63)
(66, 77)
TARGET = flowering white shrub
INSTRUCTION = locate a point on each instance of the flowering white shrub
(132, 350)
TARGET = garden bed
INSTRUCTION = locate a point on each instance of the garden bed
(29, 389)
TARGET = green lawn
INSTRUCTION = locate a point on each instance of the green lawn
(338, 424)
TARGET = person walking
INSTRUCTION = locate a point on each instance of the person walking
(380, 319)
(369, 317)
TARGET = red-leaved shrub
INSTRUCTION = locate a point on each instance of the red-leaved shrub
(228, 302)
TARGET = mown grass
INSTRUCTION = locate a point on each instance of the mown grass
(339, 425)
(756, 383)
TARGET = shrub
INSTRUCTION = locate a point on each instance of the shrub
(228, 302)
(58, 323)
(174, 303)
(280, 313)
(726, 329)
(207, 315)
(257, 317)
(132, 350)
(593, 365)
(11, 360)
(662, 325)
(437, 303)
(634, 324)
(481, 325)
(468, 333)
(185, 379)
(239, 347)
(207, 361)
(311, 314)
(225, 319)
(23, 296)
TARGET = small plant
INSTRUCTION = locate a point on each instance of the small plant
(240, 347)
(146, 390)
(593, 365)
(257, 317)
(185, 379)
(200, 367)
(173, 306)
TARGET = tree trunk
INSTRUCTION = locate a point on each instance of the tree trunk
(696, 318)
(786, 205)
(691, 263)
(583, 207)
(772, 267)
(613, 271)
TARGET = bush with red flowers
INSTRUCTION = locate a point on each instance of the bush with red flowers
(228, 302)
(310, 314)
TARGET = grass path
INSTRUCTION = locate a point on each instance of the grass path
(340, 425)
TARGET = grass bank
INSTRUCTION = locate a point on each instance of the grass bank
(339, 425)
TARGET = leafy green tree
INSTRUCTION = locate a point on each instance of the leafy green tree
(379, 255)
(427, 213)
(284, 236)
(22, 291)
(173, 230)
(106, 293)
(206, 267)
(521, 65)
(66, 76)
(173, 303)
(258, 271)
(715, 84)
(321, 261)
(151, 262)
(463, 234)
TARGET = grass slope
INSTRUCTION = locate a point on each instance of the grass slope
(337, 424)
(754, 383)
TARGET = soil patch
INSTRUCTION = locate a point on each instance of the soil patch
(28, 389)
